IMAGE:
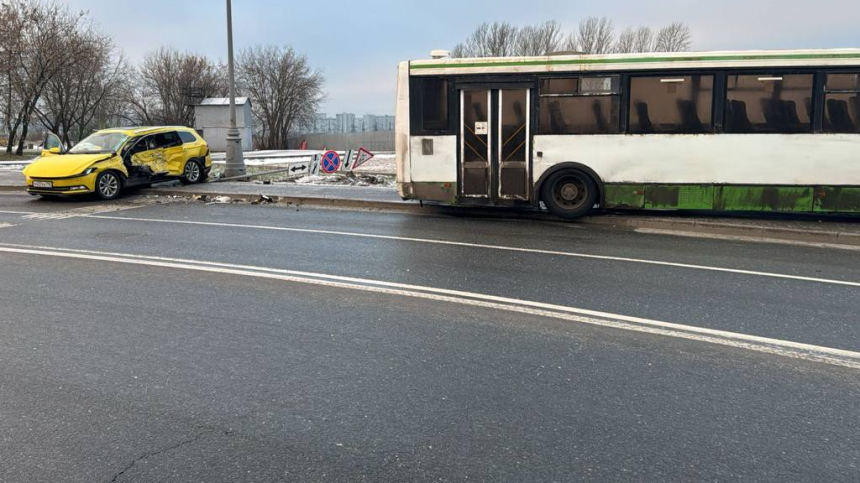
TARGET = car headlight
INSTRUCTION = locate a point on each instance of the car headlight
(90, 170)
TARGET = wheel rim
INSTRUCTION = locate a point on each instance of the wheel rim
(108, 185)
(570, 192)
(192, 171)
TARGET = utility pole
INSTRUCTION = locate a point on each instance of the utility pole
(235, 159)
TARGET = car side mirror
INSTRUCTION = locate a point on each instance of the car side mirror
(52, 145)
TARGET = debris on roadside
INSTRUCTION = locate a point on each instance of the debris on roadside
(264, 200)
(348, 179)
(220, 200)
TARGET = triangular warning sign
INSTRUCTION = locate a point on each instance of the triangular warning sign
(362, 157)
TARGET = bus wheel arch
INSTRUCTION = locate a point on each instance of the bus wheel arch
(585, 186)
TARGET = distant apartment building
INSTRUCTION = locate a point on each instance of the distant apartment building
(346, 123)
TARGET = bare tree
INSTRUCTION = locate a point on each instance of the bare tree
(541, 39)
(10, 44)
(37, 55)
(635, 39)
(674, 38)
(626, 41)
(498, 39)
(286, 92)
(596, 35)
(169, 83)
(84, 97)
(645, 40)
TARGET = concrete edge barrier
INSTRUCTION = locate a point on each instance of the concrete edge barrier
(313, 201)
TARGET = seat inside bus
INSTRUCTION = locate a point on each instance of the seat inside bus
(737, 119)
(781, 115)
(645, 123)
(599, 119)
(839, 116)
(690, 117)
(556, 118)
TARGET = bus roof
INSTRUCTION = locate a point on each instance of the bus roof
(648, 61)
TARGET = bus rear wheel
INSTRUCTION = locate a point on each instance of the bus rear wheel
(569, 194)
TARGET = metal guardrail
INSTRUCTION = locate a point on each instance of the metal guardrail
(296, 169)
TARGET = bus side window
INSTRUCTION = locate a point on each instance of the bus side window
(429, 101)
(842, 103)
(580, 105)
(672, 105)
(768, 103)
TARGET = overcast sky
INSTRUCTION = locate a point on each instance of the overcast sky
(357, 44)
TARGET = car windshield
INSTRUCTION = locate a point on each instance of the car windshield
(100, 143)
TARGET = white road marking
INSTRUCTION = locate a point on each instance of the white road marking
(49, 216)
(752, 239)
(5, 212)
(6, 225)
(795, 350)
(71, 213)
(489, 247)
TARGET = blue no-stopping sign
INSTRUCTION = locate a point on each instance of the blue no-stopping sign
(330, 162)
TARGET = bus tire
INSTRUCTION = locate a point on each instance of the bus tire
(569, 194)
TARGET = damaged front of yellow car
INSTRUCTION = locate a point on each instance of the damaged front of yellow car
(91, 167)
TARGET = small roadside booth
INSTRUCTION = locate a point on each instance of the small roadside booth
(212, 121)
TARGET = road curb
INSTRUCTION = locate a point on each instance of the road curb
(314, 201)
(685, 227)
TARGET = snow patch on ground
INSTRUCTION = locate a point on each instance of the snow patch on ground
(352, 179)
(12, 167)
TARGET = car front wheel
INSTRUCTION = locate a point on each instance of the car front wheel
(108, 185)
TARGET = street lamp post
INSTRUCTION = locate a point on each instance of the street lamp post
(235, 159)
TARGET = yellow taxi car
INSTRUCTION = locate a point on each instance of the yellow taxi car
(109, 161)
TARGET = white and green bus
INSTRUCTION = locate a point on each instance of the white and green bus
(729, 131)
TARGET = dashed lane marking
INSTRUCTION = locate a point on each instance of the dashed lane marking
(489, 247)
(784, 348)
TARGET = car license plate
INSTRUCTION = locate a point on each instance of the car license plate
(43, 184)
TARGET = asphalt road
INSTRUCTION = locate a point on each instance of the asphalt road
(124, 358)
